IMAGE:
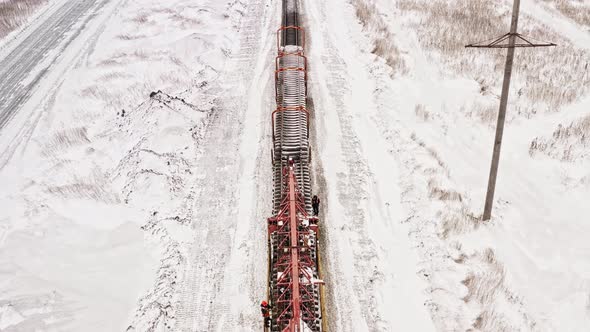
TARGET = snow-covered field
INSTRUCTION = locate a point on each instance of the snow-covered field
(99, 173)
(405, 141)
(136, 178)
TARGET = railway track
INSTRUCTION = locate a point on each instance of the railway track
(294, 280)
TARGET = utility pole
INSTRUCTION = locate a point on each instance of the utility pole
(512, 38)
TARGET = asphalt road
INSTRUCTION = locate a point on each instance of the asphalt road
(35, 55)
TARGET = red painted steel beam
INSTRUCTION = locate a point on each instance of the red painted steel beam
(294, 251)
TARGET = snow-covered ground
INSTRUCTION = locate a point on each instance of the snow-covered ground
(100, 175)
(136, 176)
(405, 140)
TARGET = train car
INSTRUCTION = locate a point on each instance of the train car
(294, 275)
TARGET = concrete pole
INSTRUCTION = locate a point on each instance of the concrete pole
(502, 113)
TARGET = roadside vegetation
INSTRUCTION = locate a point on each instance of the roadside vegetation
(577, 10)
(384, 45)
(13, 13)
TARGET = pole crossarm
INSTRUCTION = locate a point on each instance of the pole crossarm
(519, 41)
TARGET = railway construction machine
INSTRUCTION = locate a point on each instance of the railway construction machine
(294, 274)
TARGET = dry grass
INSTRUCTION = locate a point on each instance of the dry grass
(577, 10)
(96, 92)
(185, 21)
(459, 222)
(485, 112)
(568, 143)
(91, 191)
(487, 288)
(384, 42)
(488, 115)
(141, 19)
(13, 13)
(436, 191)
(64, 139)
(422, 113)
(112, 75)
(548, 77)
(482, 287)
(127, 36)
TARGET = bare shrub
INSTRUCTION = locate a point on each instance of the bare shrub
(13, 13)
(384, 41)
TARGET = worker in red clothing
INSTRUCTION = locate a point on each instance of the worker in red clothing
(264, 308)
(315, 204)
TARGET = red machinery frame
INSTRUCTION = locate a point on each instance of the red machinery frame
(294, 226)
(293, 234)
(290, 27)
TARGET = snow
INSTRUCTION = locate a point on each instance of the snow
(406, 132)
(444, 178)
(136, 177)
(90, 222)
(9, 316)
(375, 257)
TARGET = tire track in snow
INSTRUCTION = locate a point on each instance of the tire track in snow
(355, 308)
(213, 275)
(40, 93)
(463, 288)
(21, 62)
